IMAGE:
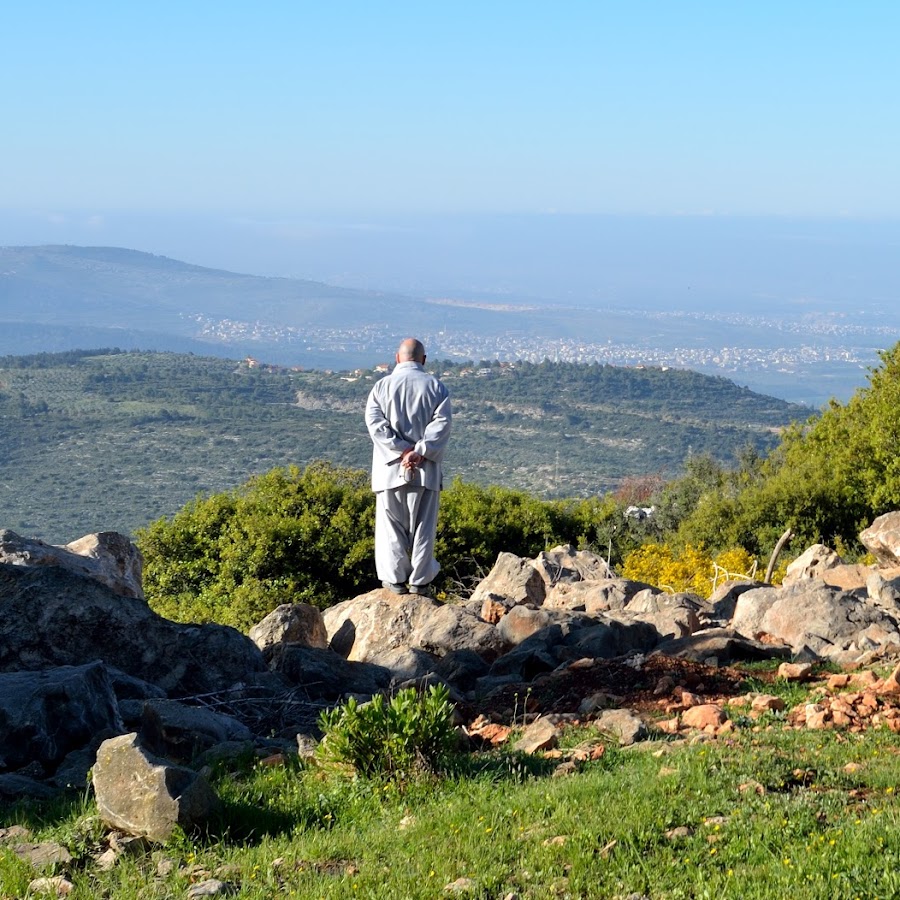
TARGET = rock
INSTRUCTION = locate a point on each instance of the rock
(107, 557)
(594, 597)
(722, 601)
(810, 614)
(724, 644)
(708, 715)
(462, 669)
(54, 618)
(493, 609)
(513, 578)
(325, 675)
(144, 795)
(812, 563)
(672, 615)
(211, 887)
(366, 627)
(605, 638)
(767, 703)
(55, 885)
(14, 786)
(623, 725)
(290, 623)
(521, 622)
(47, 715)
(540, 735)
(43, 855)
(882, 539)
(565, 564)
(178, 731)
(883, 592)
(795, 671)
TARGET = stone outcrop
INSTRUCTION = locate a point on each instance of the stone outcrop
(84, 660)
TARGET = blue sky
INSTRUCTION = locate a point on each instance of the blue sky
(301, 108)
(297, 138)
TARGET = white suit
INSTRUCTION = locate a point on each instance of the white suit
(408, 409)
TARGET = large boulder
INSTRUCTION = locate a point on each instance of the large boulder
(290, 623)
(816, 617)
(882, 539)
(50, 617)
(107, 557)
(145, 795)
(513, 579)
(44, 716)
(373, 626)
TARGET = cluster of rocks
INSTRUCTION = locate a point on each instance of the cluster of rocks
(93, 681)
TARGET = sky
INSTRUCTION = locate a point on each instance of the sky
(296, 138)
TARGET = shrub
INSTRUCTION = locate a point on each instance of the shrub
(411, 731)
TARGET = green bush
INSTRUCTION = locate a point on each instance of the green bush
(390, 738)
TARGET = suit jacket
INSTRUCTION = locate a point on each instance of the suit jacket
(408, 409)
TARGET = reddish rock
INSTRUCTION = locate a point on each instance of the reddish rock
(795, 671)
(703, 716)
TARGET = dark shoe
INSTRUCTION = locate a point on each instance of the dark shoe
(423, 590)
(396, 588)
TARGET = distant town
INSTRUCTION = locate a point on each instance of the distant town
(839, 342)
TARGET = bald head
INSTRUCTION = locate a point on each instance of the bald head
(411, 350)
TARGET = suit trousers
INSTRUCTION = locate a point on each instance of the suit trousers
(405, 528)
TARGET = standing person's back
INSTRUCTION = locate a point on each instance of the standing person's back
(408, 416)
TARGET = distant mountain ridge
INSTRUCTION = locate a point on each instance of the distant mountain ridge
(64, 297)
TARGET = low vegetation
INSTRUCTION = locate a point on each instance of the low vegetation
(767, 813)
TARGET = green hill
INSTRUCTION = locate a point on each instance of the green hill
(111, 440)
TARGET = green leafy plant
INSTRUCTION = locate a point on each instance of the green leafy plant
(410, 731)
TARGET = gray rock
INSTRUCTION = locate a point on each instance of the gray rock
(817, 616)
(178, 731)
(607, 638)
(882, 539)
(725, 645)
(514, 578)
(883, 592)
(290, 623)
(521, 622)
(107, 557)
(812, 563)
(595, 596)
(14, 786)
(623, 725)
(144, 795)
(44, 716)
(540, 735)
(54, 618)
(565, 564)
(367, 627)
(325, 675)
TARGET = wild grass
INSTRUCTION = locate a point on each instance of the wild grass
(762, 815)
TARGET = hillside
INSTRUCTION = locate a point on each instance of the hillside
(112, 440)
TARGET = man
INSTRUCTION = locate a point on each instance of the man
(408, 418)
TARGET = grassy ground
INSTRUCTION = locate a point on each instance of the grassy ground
(767, 813)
